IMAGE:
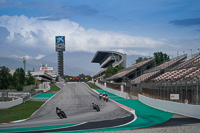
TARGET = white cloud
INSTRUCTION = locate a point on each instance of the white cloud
(132, 52)
(39, 56)
(40, 33)
(21, 57)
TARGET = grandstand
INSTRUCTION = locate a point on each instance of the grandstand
(133, 71)
(182, 71)
(154, 72)
(183, 80)
(108, 58)
(46, 74)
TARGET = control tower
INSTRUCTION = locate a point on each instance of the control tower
(60, 47)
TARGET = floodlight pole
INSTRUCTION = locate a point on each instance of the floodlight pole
(24, 61)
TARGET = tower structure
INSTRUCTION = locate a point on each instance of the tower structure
(60, 47)
(24, 61)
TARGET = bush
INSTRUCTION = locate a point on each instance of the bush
(19, 87)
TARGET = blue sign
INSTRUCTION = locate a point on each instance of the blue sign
(60, 43)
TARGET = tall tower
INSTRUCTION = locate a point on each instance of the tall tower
(24, 61)
(60, 47)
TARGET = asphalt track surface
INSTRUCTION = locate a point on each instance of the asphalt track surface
(76, 99)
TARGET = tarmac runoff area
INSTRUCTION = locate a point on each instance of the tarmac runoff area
(81, 117)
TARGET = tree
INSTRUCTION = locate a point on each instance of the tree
(30, 79)
(160, 57)
(19, 78)
(141, 59)
(112, 70)
(5, 78)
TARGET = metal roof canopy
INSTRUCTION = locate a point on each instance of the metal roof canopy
(100, 55)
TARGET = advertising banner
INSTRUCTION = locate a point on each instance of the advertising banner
(174, 96)
(60, 43)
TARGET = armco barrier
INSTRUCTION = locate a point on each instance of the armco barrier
(118, 93)
(8, 104)
(174, 107)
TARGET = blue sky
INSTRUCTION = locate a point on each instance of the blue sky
(135, 27)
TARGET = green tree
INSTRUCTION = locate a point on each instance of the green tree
(160, 57)
(56, 78)
(141, 59)
(30, 79)
(112, 70)
(19, 78)
(5, 78)
(82, 75)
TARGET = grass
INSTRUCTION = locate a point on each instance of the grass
(53, 89)
(19, 112)
(93, 86)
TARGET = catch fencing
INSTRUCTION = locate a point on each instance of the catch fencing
(115, 86)
(182, 91)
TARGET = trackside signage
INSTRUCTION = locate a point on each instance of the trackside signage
(174, 96)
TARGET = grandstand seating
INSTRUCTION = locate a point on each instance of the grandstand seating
(145, 77)
(130, 69)
(193, 76)
(188, 70)
(167, 64)
(195, 61)
(176, 74)
(148, 74)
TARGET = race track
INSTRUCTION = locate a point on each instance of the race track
(76, 99)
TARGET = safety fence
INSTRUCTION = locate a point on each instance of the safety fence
(115, 86)
(183, 91)
(28, 88)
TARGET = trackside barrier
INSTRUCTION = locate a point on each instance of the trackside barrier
(44, 87)
(174, 107)
(8, 104)
(118, 93)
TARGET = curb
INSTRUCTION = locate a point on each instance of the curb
(120, 105)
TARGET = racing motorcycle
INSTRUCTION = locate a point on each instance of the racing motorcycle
(60, 113)
(104, 97)
(107, 98)
(100, 96)
(95, 107)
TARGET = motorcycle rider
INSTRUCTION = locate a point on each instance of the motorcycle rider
(104, 97)
(95, 106)
(60, 113)
(58, 110)
(100, 96)
(107, 97)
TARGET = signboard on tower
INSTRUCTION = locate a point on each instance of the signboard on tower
(60, 43)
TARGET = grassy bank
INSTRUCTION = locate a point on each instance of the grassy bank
(19, 112)
(93, 86)
(53, 89)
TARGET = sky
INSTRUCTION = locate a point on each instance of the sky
(134, 27)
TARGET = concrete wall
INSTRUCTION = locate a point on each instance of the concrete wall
(174, 107)
(118, 93)
(8, 104)
(44, 87)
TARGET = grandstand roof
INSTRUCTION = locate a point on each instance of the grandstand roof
(102, 57)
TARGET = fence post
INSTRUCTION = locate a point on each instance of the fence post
(122, 88)
(105, 84)
(197, 93)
